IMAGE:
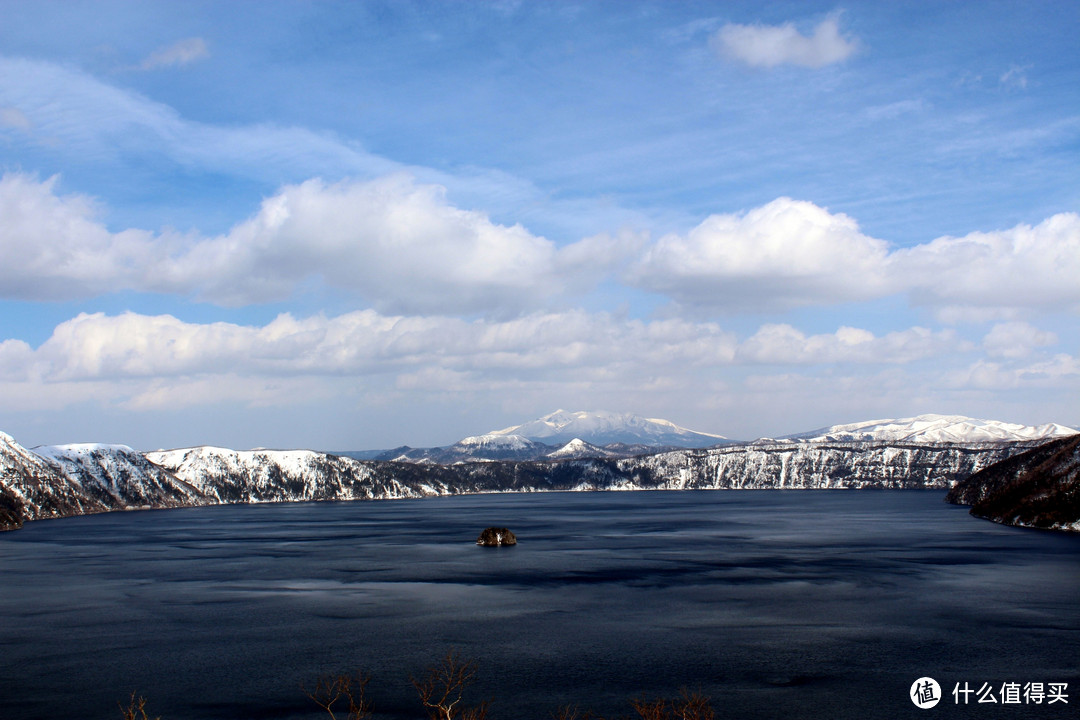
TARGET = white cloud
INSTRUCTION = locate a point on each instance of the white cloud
(153, 359)
(101, 347)
(783, 344)
(396, 243)
(792, 253)
(1022, 267)
(768, 46)
(784, 254)
(891, 111)
(179, 53)
(1016, 340)
(1061, 372)
(366, 364)
(96, 122)
(53, 247)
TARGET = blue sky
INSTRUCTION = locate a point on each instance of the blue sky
(356, 225)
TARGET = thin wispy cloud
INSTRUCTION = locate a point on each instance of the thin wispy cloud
(1015, 77)
(183, 52)
(768, 46)
(14, 118)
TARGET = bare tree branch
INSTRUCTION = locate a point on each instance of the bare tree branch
(442, 689)
(331, 688)
(136, 709)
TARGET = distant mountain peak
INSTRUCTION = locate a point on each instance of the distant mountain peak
(934, 428)
(578, 448)
(603, 427)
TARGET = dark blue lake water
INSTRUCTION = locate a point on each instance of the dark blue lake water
(811, 604)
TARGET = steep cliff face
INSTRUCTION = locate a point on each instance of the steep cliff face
(34, 488)
(80, 479)
(119, 477)
(230, 476)
(1039, 488)
(824, 465)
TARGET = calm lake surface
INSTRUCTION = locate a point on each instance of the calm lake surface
(810, 604)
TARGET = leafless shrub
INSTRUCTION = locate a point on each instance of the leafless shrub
(329, 689)
(136, 709)
(443, 688)
(573, 712)
(688, 706)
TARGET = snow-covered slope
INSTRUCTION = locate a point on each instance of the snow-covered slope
(838, 465)
(31, 488)
(119, 476)
(935, 429)
(578, 448)
(603, 428)
(231, 476)
(495, 447)
(81, 479)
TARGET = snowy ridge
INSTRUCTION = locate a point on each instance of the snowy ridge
(510, 442)
(119, 477)
(838, 465)
(578, 448)
(231, 476)
(604, 427)
(934, 429)
(78, 479)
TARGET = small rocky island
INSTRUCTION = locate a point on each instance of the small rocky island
(496, 537)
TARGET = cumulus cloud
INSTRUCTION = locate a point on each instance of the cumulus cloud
(1016, 340)
(90, 121)
(768, 46)
(397, 243)
(783, 344)
(53, 247)
(1022, 267)
(149, 359)
(784, 254)
(792, 253)
(402, 247)
(1060, 371)
(179, 53)
(97, 346)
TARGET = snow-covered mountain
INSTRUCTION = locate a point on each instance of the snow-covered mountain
(232, 476)
(578, 448)
(79, 479)
(934, 429)
(119, 476)
(60, 481)
(603, 428)
(496, 447)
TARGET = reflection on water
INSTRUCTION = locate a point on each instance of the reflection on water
(776, 603)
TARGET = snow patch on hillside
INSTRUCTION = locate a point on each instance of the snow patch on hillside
(605, 427)
(934, 429)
